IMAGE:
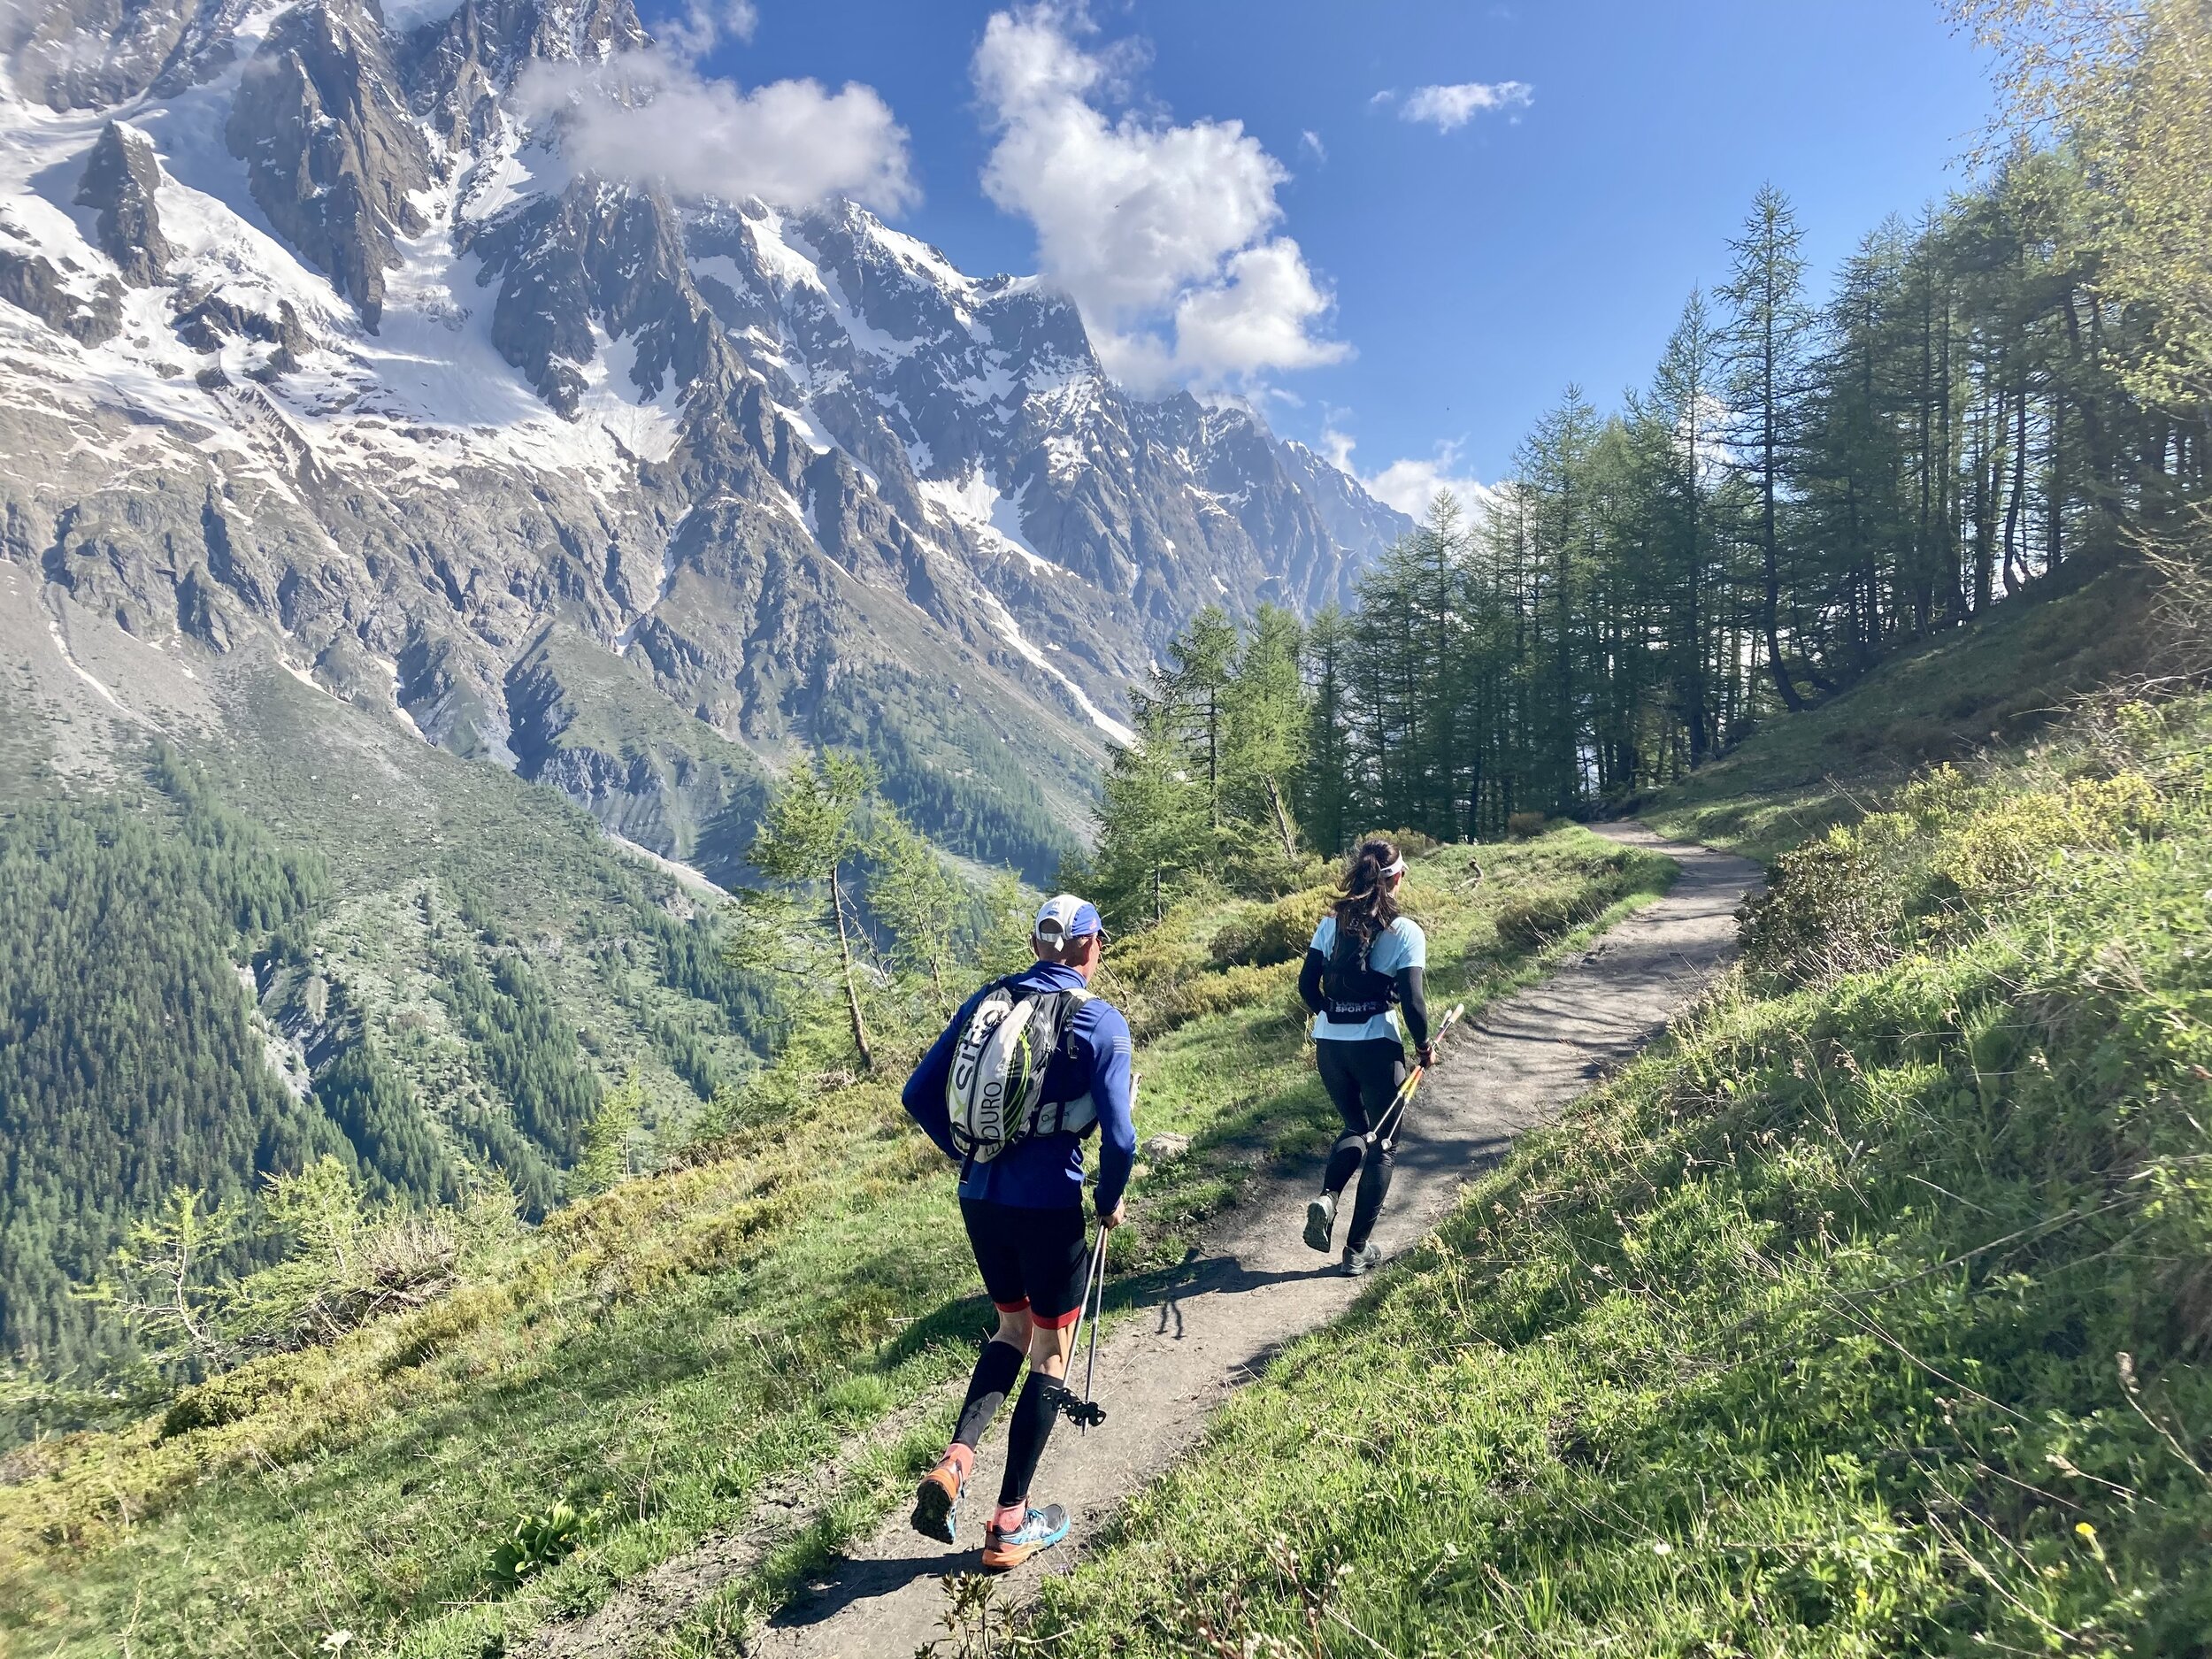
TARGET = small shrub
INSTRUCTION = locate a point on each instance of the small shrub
(1259, 869)
(538, 1541)
(2002, 849)
(1217, 993)
(1522, 826)
(1411, 842)
(1277, 934)
(1834, 906)
(1148, 961)
(1531, 921)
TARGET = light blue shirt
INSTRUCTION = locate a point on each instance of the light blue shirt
(1405, 945)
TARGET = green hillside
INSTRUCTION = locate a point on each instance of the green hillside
(656, 1358)
(2014, 672)
(314, 933)
(1867, 1316)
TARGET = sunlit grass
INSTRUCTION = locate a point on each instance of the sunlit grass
(654, 1358)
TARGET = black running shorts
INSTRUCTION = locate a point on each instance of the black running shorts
(1031, 1258)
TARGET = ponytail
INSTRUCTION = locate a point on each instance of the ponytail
(1367, 907)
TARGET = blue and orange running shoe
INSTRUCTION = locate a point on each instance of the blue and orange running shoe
(1040, 1530)
(937, 1502)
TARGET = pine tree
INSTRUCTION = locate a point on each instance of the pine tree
(1768, 324)
(809, 833)
(1325, 785)
(913, 894)
(1266, 721)
(1156, 828)
(1195, 695)
(1679, 414)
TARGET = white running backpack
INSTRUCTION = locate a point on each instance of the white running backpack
(995, 1093)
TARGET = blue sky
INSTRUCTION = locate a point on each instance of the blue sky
(1473, 272)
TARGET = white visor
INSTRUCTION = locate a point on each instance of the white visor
(1396, 866)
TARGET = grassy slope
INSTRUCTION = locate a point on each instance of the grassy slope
(657, 1356)
(1807, 1335)
(1997, 681)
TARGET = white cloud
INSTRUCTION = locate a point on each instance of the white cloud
(1311, 140)
(1260, 318)
(1412, 485)
(705, 26)
(1162, 234)
(652, 118)
(1446, 108)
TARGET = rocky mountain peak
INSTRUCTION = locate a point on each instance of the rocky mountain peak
(119, 182)
(316, 349)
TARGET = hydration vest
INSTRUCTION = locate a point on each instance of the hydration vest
(1354, 992)
(994, 1092)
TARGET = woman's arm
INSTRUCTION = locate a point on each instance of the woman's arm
(1413, 1006)
(1309, 981)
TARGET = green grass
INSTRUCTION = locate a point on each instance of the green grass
(653, 1358)
(1995, 683)
(1866, 1316)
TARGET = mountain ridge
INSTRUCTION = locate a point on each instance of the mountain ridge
(312, 334)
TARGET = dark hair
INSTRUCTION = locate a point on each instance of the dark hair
(1367, 907)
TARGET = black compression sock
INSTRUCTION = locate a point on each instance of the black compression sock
(994, 1373)
(1025, 1439)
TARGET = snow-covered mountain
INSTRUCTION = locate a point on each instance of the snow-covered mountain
(315, 356)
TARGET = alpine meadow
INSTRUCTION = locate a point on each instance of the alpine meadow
(720, 942)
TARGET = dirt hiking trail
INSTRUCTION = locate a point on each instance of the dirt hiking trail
(1211, 1323)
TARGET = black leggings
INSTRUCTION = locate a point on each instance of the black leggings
(1362, 1078)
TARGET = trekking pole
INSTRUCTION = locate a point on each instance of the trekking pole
(1087, 1411)
(1393, 1113)
(1090, 1366)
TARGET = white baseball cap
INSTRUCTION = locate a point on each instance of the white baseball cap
(1065, 916)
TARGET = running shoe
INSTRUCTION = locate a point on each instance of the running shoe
(1320, 1222)
(1360, 1262)
(1040, 1530)
(937, 1502)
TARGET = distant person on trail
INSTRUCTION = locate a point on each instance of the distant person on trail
(1362, 979)
(1026, 1068)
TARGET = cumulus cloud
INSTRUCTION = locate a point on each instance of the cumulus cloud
(1412, 484)
(1262, 316)
(1163, 233)
(1446, 108)
(652, 117)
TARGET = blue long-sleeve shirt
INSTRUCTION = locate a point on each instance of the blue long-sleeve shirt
(1045, 1172)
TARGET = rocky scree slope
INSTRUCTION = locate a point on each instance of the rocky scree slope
(315, 356)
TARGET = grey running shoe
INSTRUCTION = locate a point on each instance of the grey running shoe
(1360, 1262)
(1320, 1221)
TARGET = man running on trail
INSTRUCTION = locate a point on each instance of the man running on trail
(1026, 1067)
(1362, 973)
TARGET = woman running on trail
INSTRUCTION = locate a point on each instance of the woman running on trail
(1362, 973)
